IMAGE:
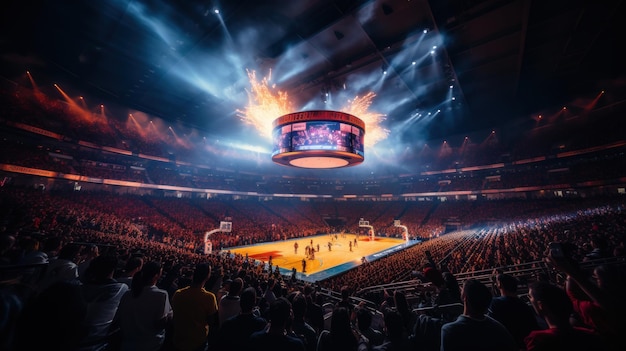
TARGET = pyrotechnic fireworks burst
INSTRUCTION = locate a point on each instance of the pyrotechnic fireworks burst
(266, 103)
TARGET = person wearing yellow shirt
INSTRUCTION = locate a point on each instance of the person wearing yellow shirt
(195, 312)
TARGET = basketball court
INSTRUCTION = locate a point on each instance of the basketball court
(346, 251)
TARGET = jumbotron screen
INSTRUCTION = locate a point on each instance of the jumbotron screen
(318, 135)
(318, 139)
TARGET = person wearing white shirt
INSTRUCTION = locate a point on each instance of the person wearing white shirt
(229, 304)
(144, 311)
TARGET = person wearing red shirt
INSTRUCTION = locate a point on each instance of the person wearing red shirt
(553, 305)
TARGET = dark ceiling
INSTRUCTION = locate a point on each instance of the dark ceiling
(182, 62)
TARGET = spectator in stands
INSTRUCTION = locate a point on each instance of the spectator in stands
(102, 295)
(364, 326)
(262, 303)
(52, 246)
(516, 316)
(598, 248)
(427, 332)
(30, 253)
(387, 302)
(224, 288)
(402, 307)
(598, 299)
(473, 330)
(431, 273)
(551, 303)
(299, 326)
(133, 265)
(88, 254)
(64, 268)
(396, 336)
(234, 334)
(345, 301)
(341, 336)
(268, 295)
(229, 304)
(449, 292)
(172, 274)
(144, 311)
(195, 312)
(276, 337)
(314, 312)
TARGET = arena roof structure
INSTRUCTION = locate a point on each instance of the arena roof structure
(436, 69)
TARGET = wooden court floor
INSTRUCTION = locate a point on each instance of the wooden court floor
(284, 254)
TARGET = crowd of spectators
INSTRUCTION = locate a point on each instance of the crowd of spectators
(73, 122)
(65, 158)
(43, 154)
(48, 229)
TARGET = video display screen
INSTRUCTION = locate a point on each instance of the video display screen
(318, 135)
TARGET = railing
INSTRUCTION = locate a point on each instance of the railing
(452, 307)
(405, 285)
(521, 271)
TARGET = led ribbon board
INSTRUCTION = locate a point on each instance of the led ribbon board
(318, 139)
